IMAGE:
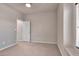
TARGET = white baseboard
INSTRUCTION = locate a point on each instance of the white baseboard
(60, 49)
(63, 52)
(44, 42)
(7, 46)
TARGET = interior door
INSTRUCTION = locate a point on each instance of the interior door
(26, 31)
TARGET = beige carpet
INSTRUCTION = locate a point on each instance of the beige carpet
(31, 49)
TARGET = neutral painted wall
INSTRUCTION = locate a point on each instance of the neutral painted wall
(77, 24)
(60, 30)
(65, 27)
(43, 27)
(60, 24)
(68, 22)
(7, 26)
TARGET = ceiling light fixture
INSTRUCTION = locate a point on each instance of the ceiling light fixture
(28, 5)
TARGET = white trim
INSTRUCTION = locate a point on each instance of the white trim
(63, 53)
(44, 42)
(22, 41)
(19, 40)
(60, 49)
(7, 46)
(69, 52)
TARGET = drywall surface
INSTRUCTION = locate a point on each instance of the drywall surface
(7, 26)
(43, 27)
(60, 30)
(77, 24)
(68, 20)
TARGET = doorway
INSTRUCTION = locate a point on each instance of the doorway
(23, 30)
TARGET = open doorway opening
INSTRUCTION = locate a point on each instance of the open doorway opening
(23, 30)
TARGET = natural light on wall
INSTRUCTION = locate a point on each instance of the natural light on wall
(77, 25)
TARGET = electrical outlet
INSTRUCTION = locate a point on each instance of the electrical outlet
(3, 43)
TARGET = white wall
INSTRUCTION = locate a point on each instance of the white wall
(7, 26)
(60, 30)
(60, 24)
(77, 24)
(65, 27)
(43, 27)
(68, 22)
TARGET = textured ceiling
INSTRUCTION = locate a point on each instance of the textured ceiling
(36, 7)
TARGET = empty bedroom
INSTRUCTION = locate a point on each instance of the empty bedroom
(37, 29)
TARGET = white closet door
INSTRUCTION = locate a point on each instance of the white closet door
(26, 31)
